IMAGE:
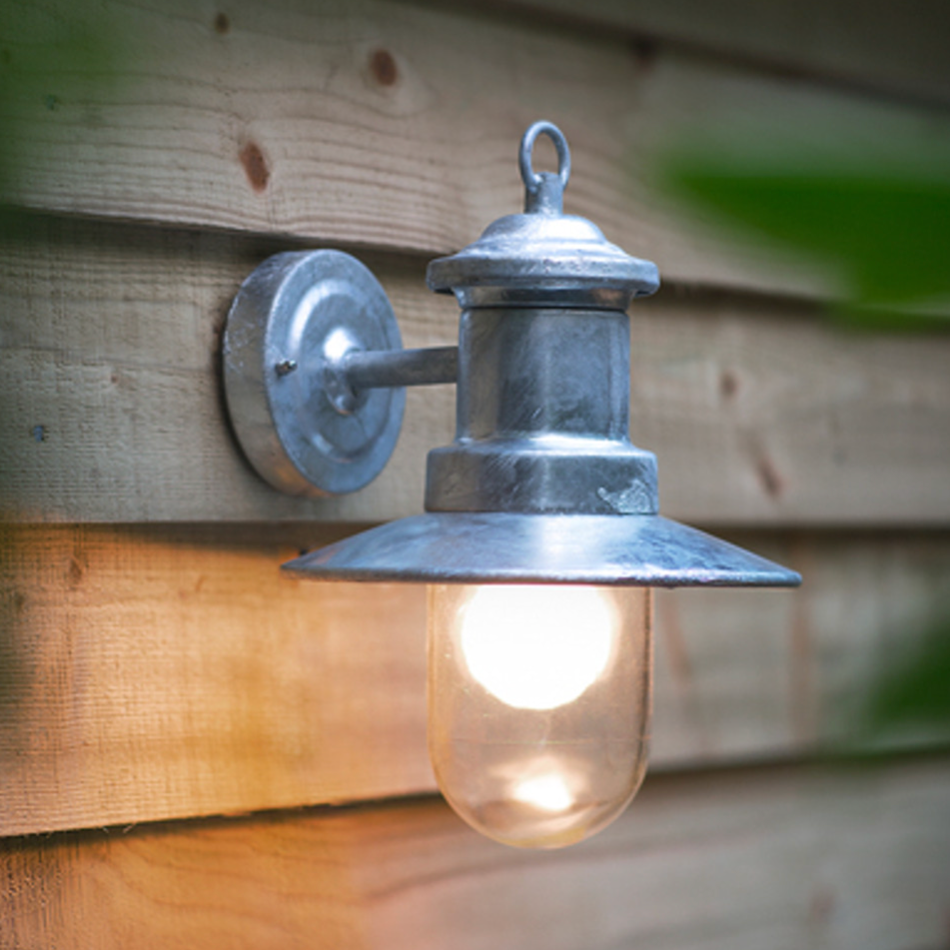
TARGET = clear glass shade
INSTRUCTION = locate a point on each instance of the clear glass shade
(539, 706)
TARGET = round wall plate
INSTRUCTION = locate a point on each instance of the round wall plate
(293, 315)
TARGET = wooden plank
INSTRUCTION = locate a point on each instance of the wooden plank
(735, 861)
(744, 674)
(151, 672)
(760, 412)
(765, 413)
(895, 49)
(396, 126)
(113, 406)
(172, 671)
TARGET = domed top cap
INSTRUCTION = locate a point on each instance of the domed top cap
(543, 257)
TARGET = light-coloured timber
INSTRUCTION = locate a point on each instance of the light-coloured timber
(760, 411)
(396, 126)
(172, 672)
(747, 860)
(895, 49)
(152, 672)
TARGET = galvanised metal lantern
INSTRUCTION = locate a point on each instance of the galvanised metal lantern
(541, 537)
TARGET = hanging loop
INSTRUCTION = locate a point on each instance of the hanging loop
(544, 191)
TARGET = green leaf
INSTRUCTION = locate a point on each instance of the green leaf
(916, 690)
(883, 223)
(50, 60)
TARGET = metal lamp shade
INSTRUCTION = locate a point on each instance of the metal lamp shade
(501, 547)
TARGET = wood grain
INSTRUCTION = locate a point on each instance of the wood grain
(760, 411)
(155, 667)
(895, 50)
(736, 861)
(152, 672)
(173, 672)
(395, 126)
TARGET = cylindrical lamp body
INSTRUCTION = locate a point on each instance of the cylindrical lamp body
(542, 417)
(532, 371)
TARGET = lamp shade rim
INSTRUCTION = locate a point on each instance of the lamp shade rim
(503, 547)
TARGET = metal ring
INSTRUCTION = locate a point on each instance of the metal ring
(529, 176)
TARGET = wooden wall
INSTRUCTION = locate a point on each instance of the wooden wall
(197, 752)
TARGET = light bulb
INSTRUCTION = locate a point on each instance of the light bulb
(539, 706)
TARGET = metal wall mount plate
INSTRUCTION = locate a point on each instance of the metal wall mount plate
(295, 315)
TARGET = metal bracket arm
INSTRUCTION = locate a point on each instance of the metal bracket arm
(358, 370)
(385, 368)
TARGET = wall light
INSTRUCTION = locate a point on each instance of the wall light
(541, 539)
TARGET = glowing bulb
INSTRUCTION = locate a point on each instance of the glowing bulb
(539, 703)
(547, 792)
(537, 653)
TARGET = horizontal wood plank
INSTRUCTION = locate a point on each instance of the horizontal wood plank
(176, 673)
(169, 671)
(396, 126)
(760, 411)
(737, 861)
(894, 49)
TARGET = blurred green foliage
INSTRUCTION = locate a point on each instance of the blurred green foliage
(881, 218)
(53, 56)
(915, 691)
